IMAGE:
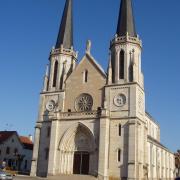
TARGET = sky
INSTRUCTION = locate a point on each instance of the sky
(28, 31)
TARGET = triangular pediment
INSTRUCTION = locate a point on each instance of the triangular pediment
(90, 59)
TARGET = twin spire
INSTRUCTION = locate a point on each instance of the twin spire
(65, 36)
(126, 23)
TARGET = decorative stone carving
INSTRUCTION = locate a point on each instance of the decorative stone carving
(88, 46)
(84, 103)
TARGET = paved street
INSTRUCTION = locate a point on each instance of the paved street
(74, 177)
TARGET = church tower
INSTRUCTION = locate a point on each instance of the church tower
(124, 103)
(62, 57)
(62, 60)
(126, 49)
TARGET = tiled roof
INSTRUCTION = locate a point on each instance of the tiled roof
(28, 144)
(4, 135)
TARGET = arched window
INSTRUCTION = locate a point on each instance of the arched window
(85, 76)
(55, 74)
(121, 65)
(62, 80)
(119, 129)
(113, 66)
(119, 155)
(131, 78)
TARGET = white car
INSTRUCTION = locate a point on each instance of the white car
(5, 176)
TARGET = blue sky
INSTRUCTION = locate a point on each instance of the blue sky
(28, 30)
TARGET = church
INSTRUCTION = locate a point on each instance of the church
(94, 122)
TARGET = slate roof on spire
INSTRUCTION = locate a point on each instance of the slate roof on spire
(126, 23)
(65, 35)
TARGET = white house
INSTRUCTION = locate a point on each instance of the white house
(15, 151)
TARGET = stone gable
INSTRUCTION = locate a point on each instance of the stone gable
(75, 85)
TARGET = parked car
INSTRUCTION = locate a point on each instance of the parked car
(5, 176)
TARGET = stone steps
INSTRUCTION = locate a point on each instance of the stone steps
(72, 177)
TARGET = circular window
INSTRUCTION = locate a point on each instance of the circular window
(50, 106)
(84, 103)
(120, 100)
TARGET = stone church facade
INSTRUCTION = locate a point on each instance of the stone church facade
(94, 122)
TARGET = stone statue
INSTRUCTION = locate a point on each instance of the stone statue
(88, 47)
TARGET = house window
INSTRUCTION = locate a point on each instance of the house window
(48, 131)
(121, 65)
(7, 150)
(119, 129)
(119, 155)
(55, 74)
(46, 153)
(15, 151)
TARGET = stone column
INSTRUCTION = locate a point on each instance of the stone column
(132, 151)
(35, 150)
(126, 65)
(46, 79)
(62, 162)
(72, 162)
(53, 148)
(104, 147)
(68, 168)
(65, 162)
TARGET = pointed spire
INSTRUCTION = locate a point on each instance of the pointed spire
(65, 36)
(126, 23)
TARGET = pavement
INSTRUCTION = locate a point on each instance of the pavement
(62, 177)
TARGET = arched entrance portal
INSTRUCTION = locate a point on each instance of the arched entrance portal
(78, 153)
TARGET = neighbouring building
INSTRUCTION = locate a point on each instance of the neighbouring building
(94, 122)
(16, 151)
(177, 163)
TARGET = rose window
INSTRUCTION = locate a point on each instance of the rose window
(84, 103)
